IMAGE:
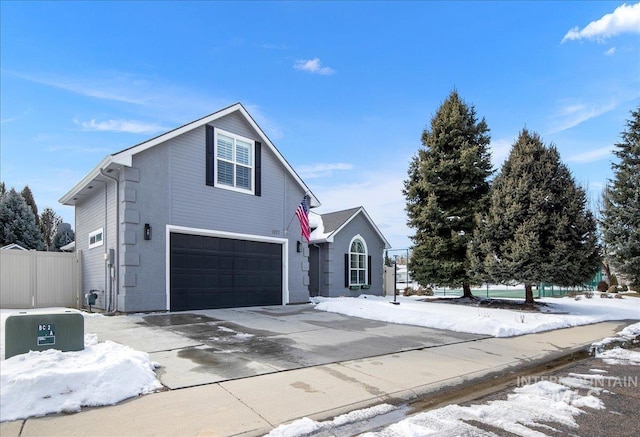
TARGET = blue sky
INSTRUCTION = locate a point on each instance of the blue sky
(343, 89)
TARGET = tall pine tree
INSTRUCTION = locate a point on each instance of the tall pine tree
(537, 227)
(28, 197)
(621, 205)
(17, 222)
(447, 186)
(49, 222)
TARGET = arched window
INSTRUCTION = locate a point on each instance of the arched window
(357, 262)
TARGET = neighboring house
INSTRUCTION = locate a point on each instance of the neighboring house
(13, 246)
(345, 254)
(198, 217)
(71, 247)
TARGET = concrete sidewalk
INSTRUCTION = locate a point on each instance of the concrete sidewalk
(254, 405)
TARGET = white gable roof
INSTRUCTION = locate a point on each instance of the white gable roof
(13, 246)
(125, 157)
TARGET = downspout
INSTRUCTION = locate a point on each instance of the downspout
(105, 238)
(114, 297)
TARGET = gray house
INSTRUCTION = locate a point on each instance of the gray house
(345, 254)
(199, 217)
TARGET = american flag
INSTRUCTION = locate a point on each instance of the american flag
(303, 215)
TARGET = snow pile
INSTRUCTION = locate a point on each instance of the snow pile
(51, 381)
(559, 313)
(527, 408)
(306, 426)
(620, 356)
(627, 337)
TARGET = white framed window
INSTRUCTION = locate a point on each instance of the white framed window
(234, 162)
(95, 238)
(357, 262)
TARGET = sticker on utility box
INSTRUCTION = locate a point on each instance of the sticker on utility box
(46, 334)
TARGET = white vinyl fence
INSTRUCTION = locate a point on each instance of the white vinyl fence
(31, 279)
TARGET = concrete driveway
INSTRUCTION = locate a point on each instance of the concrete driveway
(204, 347)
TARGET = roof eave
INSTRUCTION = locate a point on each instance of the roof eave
(359, 210)
(68, 199)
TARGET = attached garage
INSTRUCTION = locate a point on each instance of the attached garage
(207, 272)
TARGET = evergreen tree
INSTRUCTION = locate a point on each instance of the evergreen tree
(49, 222)
(17, 222)
(537, 227)
(446, 187)
(3, 188)
(621, 205)
(28, 197)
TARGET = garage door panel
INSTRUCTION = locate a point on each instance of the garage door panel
(212, 272)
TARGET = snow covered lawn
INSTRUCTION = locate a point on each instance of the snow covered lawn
(558, 313)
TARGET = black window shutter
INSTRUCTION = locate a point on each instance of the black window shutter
(369, 270)
(258, 160)
(346, 270)
(210, 158)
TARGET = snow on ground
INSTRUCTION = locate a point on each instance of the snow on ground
(526, 411)
(51, 381)
(558, 313)
(306, 426)
(105, 373)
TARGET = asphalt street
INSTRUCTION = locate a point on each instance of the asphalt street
(619, 392)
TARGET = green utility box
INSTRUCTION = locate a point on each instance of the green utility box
(36, 330)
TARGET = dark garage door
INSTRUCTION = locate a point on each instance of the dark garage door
(213, 272)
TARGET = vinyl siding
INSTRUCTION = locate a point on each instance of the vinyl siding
(334, 269)
(91, 215)
(171, 190)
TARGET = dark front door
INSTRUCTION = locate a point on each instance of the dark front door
(213, 272)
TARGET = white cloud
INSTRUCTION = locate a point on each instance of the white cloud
(150, 96)
(575, 113)
(312, 66)
(270, 46)
(77, 149)
(610, 52)
(128, 126)
(625, 19)
(321, 169)
(15, 118)
(108, 87)
(591, 156)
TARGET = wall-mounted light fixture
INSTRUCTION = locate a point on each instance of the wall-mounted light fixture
(298, 246)
(147, 231)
